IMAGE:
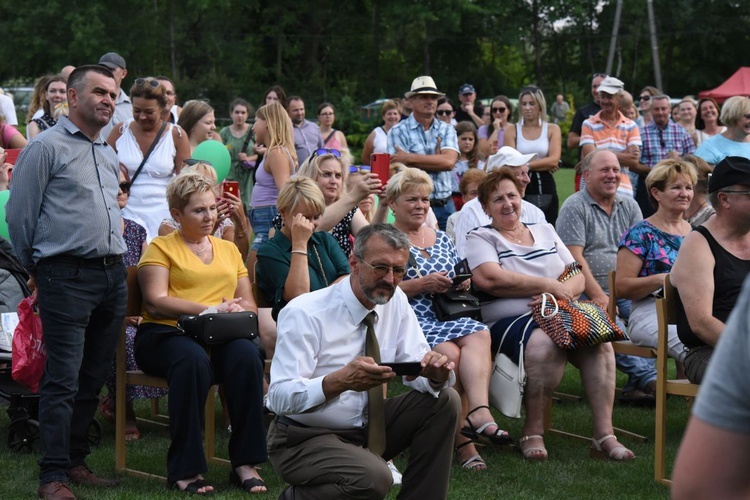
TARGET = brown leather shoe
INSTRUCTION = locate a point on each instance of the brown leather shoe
(56, 490)
(80, 474)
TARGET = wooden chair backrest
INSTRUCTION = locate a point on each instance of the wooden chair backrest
(612, 304)
(135, 299)
(670, 298)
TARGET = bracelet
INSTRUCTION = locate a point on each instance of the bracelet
(301, 252)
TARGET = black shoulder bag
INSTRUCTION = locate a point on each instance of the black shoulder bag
(148, 153)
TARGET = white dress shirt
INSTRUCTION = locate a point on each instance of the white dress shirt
(322, 331)
(473, 215)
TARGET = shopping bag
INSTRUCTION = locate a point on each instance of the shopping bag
(29, 354)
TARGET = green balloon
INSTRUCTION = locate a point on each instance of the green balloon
(4, 195)
(217, 154)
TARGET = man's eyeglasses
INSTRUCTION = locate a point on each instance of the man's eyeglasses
(192, 161)
(644, 98)
(325, 151)
(444, 112)
(499, 110)
(360, 169)
(746, 193)
(140, 82)
(170, 92)
(125, 187)
(381, 270)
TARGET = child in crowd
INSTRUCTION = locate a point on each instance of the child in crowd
(469, 186)
(468, 146)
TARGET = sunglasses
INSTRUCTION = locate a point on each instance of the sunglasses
(499, 110)
(325, 151)
(125, 187)
(444, 112)
(644, 98)
(192, 161)
(360, 169)
(141, 82)
(530, 88)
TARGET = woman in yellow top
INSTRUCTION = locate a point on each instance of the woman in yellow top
(189, 272)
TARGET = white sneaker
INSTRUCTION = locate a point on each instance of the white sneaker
(395, 473)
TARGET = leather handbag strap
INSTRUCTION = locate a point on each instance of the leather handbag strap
(148, 153)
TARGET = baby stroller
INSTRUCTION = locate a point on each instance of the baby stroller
(23, 404)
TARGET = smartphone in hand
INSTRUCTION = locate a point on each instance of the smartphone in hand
(232, 187)
(463, 272)
(381, 164)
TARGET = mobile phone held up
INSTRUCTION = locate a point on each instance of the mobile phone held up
(405, 369)
(232, 187)
(463, 272)
(381, 164)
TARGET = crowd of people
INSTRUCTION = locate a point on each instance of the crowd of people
(353, 263)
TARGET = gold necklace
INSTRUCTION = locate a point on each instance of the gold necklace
(201, 251)
(511, 236)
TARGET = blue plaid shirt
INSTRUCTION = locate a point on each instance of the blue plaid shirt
(411, 136)
(658, 142)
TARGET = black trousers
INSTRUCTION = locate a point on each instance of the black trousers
(190, 372)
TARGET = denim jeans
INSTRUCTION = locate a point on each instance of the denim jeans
(82, 308)
(442, 213)
(260, 220)
(640, 371)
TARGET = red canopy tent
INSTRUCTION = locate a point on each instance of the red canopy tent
(737, 84)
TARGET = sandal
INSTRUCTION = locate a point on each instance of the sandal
(192, 488)
(107, 408)
(534, 453)
(617, 454)
(475, 462)
(247, 484)
(500, 437)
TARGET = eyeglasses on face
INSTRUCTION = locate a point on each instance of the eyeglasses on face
(141, 82)
(644, 98)
(499, 110)
(170, 92)
(381, 270)
(325, 151)
(360, 169)
(125, 187)
(328, 113)
(192, 161)
(746, 193)
(444, 112)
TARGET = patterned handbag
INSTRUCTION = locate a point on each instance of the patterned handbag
(572, 324)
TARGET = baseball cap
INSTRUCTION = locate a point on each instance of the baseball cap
(728, 172)
(611, 85)
(507, 155)
(467, 88)
(112, 60)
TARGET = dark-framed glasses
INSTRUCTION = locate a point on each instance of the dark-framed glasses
(125, 187)
(746, 193)
(383, 270)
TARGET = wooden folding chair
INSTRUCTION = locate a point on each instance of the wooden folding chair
(666, 311)
(624, 346)
(125, 377)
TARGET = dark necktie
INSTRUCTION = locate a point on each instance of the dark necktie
(376, 431)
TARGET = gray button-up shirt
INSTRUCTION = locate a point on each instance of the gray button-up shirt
(63, 197)
(306, 140)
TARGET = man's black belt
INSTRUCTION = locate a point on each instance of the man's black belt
(106, 261)
(440, 202)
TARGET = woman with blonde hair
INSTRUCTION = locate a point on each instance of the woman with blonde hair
(133, 139)
(532, 134)
(735, 115)
(199, 123)
(55, 92)
(36, 103)
(273, 129)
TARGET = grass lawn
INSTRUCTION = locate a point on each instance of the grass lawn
(569, 473)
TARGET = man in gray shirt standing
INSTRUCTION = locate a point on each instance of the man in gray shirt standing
(307, 137)
(65, 226)
(591, 223)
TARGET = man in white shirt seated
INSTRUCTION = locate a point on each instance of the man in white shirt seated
(472, 214)
(328, 440)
